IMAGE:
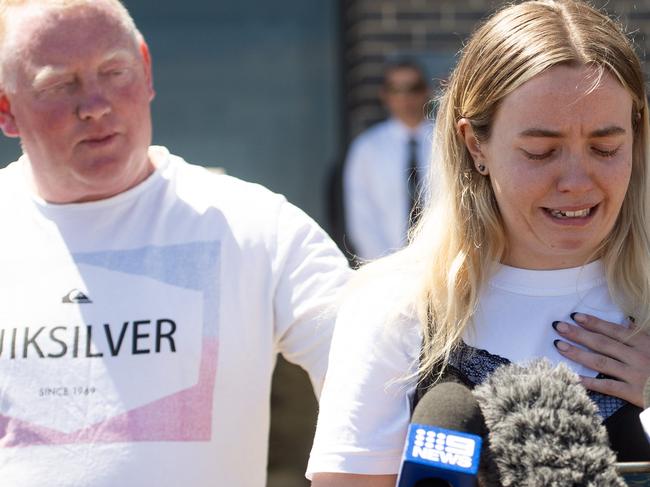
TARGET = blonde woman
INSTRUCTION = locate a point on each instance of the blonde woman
(538, 245)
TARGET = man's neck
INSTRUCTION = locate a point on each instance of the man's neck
(411, 124)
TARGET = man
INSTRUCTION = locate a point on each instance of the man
(143, 299)
(386, 165)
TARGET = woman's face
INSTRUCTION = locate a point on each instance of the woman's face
(559, 159)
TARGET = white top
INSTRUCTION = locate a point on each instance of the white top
(366, 403)
(645, 421)
(138, 333)
(375, 185)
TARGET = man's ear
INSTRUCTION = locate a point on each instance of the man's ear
(148, 72)
(466, 131)
(7, 119)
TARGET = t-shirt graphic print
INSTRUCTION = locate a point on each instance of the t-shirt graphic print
(112, 346)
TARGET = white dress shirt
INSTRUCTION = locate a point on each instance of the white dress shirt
(375, 185)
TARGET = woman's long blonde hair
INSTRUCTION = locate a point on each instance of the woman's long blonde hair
(461, 234)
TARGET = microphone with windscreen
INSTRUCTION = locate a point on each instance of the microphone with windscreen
(544, 429)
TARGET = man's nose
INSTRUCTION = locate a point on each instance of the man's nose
(93, 103)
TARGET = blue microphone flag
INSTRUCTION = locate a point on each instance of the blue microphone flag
(432, 452)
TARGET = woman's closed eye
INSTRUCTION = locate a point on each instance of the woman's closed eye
(606, 152)
(538, 155)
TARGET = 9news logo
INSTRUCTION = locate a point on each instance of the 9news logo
(444, 447)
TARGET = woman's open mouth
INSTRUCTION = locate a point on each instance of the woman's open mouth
(572, 215)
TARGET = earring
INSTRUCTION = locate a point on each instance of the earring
(482, 169)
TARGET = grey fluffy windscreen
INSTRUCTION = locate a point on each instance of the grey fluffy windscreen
(544, 430)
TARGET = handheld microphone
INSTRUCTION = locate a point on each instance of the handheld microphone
(444, 439)
(544, 429)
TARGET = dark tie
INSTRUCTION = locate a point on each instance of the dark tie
(413, 181)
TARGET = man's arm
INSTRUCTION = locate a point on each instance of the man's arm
(310, 272)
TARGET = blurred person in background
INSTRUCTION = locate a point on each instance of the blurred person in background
(145, 299)
(386, 166)
(537, 245)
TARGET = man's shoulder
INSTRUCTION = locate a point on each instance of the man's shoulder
(375, 131)
(201, 183)
(9, 169)
(11, 179)
(369, 144)
(252, 212)
(246, 207)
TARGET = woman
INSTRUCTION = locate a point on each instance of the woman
(537, 246)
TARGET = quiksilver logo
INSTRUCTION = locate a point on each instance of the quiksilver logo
(76, 296)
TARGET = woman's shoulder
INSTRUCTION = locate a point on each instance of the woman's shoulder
(380, 306)
(390, 286)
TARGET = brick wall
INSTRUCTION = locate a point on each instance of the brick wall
(432, 31)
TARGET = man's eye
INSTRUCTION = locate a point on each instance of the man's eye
(117, 72)
(58, 87)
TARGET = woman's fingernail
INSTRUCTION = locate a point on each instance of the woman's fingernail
(578, 317)
(560, 345)
(560, 326)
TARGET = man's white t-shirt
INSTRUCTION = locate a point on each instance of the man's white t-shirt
(138, 334)
(366, 403)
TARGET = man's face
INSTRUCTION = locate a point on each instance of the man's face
(78, 96)
(405, 93)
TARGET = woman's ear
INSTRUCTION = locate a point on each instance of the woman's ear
(466, 131)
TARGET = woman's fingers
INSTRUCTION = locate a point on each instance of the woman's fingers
(621, 352)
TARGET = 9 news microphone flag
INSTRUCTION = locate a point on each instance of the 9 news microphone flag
(443, 445)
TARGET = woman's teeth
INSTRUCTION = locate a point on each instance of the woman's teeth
(570, 214)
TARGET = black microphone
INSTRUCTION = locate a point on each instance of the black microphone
(444, 440)
(544, 429)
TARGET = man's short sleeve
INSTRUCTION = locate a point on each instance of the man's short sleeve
(310, 272)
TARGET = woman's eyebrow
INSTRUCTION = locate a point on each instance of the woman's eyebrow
(604, 132)
(539, 132)
(608, 131)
